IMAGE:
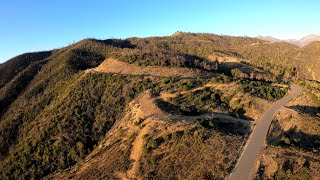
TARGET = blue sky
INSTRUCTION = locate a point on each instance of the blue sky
(35, 25)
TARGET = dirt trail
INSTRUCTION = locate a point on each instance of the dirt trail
(116, 66)
(298, 55)
(142, 109)
(313, 74)
(222, 117)
(166, 96)
(137, 147)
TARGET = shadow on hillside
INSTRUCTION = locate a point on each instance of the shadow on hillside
(226, 67)
(292, 138)
(225, 127)
(172, 109)
(193, 61)
(119, 43)
(230, 53)
(218, 124)
(247, 71)
(296, 138)
(309, 110)
(81, 59)
(193, 111)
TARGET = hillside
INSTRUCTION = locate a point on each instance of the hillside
(148, 107)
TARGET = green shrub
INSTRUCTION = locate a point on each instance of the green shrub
(262, 90)
(285, 140)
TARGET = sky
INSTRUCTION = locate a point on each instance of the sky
(36, 25)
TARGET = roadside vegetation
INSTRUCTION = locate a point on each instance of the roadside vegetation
(262, 89)
(203, 101)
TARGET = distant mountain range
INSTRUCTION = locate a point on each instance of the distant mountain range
(301, 42)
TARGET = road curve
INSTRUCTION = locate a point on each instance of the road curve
(247, 161)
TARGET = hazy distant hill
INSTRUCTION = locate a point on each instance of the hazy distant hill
(308, 39)
(269, 38)
(300, 43)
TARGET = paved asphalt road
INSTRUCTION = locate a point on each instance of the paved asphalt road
(252, 149)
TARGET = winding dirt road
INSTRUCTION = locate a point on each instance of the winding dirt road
(247, 161)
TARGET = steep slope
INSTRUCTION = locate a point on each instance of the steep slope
(17, 73)
(311, 56)
(15, 65)
(34, 105)
(11, 90)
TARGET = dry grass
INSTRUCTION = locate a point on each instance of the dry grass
(278, 163)
(302, 114)
(191, 154)
(115, 66)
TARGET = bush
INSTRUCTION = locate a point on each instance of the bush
(285, 140)
(262, 90)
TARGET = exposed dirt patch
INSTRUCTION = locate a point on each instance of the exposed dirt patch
(313, 74)
(270, 166)
(115, 66)
(148, 106)
(137, 148)
(287, 121)
(223, 59)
